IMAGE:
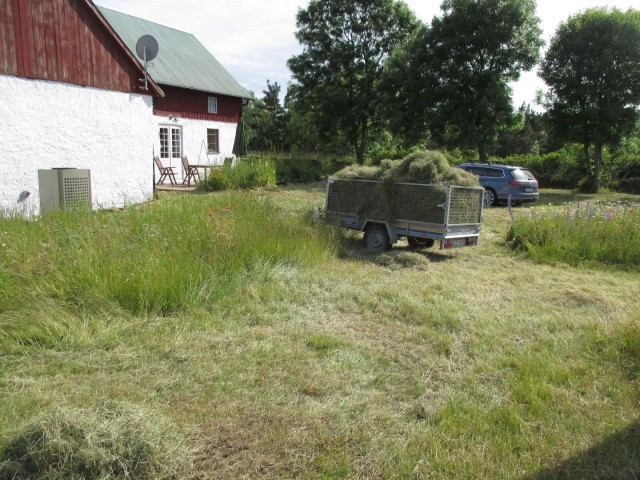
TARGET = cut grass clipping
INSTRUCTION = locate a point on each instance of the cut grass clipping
(111, 440)
(425, 166)
(401, 190)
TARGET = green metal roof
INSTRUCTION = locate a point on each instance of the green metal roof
(182, 60)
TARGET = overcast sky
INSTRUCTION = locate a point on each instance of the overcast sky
(253, 39)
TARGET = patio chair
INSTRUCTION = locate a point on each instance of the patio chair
(165, 172)
(191, 171)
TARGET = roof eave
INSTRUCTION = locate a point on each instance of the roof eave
(246, 97)
(153, 87)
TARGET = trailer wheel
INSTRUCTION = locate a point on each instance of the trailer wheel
(376, 237)
(417, 242)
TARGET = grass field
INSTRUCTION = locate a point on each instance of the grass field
(330, 362)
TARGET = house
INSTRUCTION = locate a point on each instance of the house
(202, 105)
(71, 96)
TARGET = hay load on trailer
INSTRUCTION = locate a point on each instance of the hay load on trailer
(420, 197)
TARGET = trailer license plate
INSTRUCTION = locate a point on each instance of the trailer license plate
(455, 243)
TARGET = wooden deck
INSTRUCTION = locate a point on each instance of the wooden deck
(167, 187)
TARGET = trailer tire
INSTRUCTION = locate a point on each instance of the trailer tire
(376, 237)
(417, 242)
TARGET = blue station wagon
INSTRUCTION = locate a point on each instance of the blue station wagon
(500, 181)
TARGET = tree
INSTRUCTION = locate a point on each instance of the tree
(453, 78)
(525, 135)
(267, 121)
(592, 68)
(336, 75)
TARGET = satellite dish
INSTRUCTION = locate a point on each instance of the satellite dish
(147, 48)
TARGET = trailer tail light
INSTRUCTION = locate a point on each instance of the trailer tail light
(459, 242)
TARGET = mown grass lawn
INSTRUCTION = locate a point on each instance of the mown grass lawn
(410, 364)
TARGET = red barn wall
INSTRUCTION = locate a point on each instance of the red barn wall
(62, 40)
(193, 104)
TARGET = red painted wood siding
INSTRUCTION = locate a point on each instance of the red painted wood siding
(62, 40)
(185, 103)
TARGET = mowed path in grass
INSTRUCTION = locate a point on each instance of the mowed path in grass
(476, 363)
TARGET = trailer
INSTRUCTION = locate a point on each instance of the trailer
(424, 213)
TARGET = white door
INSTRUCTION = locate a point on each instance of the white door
(171, 147)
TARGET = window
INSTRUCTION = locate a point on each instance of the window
(213, 105)
(522, 175)
(487, 172)
(212, 141)
(164, 142)
(176, 143)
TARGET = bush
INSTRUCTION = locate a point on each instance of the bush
(306, 167)
(560, 169)
(626, 174)
(564, 169)
(216, 181)
(252, 172)
(112, 440)
(629, 185)
(248, 173)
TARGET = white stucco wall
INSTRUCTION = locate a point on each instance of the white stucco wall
(194, 141)
(50, 124)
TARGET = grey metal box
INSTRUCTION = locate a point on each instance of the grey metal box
(64, 189)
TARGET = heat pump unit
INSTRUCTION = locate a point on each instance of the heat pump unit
(64, 189)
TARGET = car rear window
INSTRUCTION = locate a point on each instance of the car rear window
(521, 174)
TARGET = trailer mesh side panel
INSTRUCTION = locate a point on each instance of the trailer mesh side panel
(356, 197)
(418, 202)
(465, 206)
(387, 201)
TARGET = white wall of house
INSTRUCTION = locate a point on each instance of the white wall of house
(194, 141)
(49, 124)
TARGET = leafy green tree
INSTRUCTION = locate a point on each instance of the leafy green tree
(525, 135)
(267, 121)
(336, 75)
(452, 80)
(254, 115)
(593, 70)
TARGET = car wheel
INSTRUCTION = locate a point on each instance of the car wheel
(376, 237)
(416, 242)
(490, 198)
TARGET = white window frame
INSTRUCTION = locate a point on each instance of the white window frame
(212, 106)
(217, 134)
(172, 143)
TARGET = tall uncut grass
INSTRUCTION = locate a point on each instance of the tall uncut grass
(604, 232)
(249, 172)
(161, 257)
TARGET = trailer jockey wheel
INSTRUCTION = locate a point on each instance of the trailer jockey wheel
(417, 242)
(376, 237)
